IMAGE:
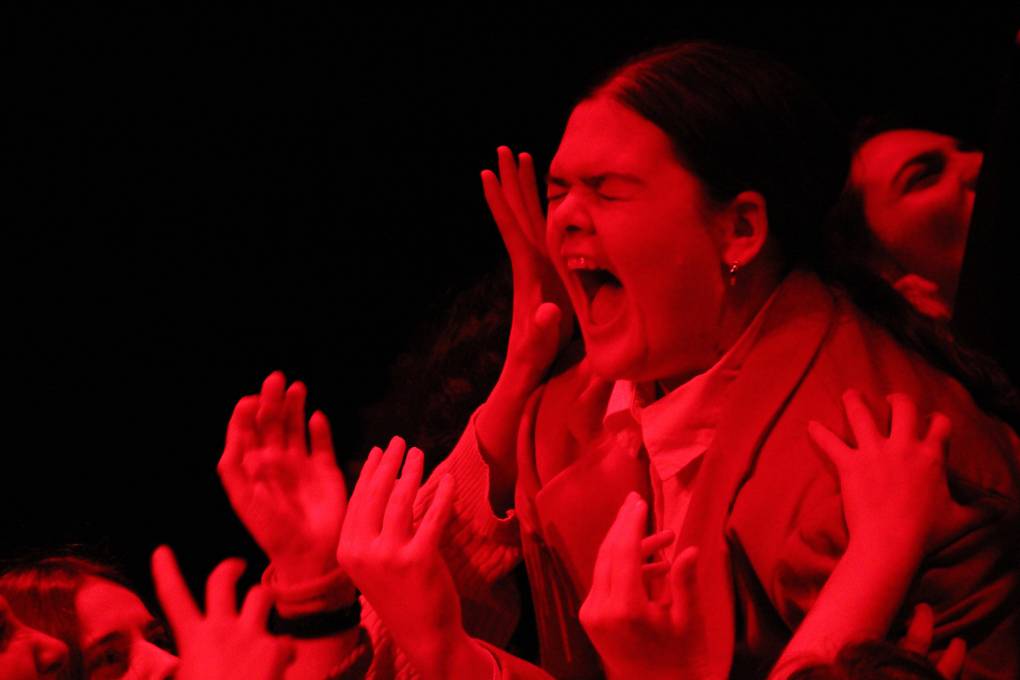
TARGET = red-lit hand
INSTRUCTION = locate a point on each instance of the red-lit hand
(399, 569)
(919, 637)
(641, 627)
(923, 295)
(541, 312)
(291, 501)
(223, 644)
(542, 320)
(895, 492)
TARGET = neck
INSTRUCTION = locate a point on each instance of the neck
(741, 304)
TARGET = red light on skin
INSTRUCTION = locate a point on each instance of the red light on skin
(918, 191)
(628, 234)
(26, 653)
(119, 637)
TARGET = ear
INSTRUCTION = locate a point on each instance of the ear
(744, 229)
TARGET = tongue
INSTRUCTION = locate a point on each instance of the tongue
(607, 303)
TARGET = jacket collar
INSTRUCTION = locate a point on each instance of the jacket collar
(575, 507)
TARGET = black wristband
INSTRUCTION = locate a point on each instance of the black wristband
(318, 625)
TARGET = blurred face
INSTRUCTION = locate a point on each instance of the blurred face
(119, 637)
(26, 653)
(918, 189)
(630, 233)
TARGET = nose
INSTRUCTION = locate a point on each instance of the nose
(570, 216)
(970, 164)
(50, 655)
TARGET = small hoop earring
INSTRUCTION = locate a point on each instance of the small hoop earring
(733, 274)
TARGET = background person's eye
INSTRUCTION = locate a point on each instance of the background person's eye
(108, 664)
(927, 175)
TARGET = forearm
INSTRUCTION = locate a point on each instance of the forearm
(496, 428)
(453, 656)
(858, 602)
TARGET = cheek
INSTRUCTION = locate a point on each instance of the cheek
(937, 219)
(679, 298)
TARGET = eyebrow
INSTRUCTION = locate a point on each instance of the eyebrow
(920, 159)
(595, 181)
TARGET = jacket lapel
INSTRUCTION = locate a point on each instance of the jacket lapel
(796, 323)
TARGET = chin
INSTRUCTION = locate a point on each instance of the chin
(612, 364)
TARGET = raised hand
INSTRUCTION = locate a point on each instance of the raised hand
(918, 640)
(897, 508)
(291, 500)
(542, 321)
(895, 492)
(223, 644)
(641, 626)
(541, 312)
(399, 569)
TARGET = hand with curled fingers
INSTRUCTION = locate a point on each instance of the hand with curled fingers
(894, 488)
(399, 569)
(919, 638)
(644, 618)
(542, 320)
(290, 497)
(223, 644)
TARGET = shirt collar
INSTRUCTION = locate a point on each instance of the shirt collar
(678, 427)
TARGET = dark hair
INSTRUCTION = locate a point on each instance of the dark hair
(853, 260)
(871, 660)
(42, 593)
(739, 120)
(439, 381)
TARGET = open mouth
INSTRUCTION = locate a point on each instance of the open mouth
(603, 291)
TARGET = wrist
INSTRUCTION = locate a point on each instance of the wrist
(327, 592)
(454, 655)
(296, 569)
(872, 552)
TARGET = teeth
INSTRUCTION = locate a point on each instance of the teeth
(578, 262)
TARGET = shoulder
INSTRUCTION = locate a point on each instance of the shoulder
(983, 455)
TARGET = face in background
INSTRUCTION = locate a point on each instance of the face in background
(918, 194)
(26, 653)
(630, 233)
(119, 637)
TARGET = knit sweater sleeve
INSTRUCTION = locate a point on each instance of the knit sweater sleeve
(480, 550)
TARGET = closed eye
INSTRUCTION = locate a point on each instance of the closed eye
(929, 169)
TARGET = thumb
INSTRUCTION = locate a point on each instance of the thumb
(544, 338)
(683, 587)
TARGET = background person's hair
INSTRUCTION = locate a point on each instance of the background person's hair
(42, 593)
(871, 660)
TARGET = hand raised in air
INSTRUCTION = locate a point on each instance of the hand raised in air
(290, 497)
(222, 644)
(398, 566)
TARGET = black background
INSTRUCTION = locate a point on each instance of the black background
(199, 199)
